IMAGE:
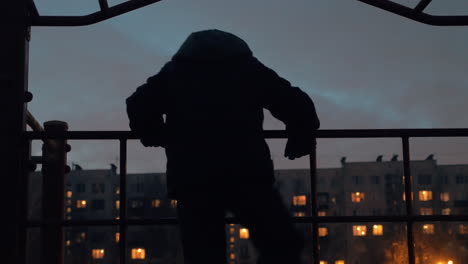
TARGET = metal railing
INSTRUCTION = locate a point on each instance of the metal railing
(123, 222)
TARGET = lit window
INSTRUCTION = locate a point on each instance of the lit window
(426, 211)
(173, 203)
(323, 262)
(463, 229)
(117, 217)
(359, 230)
(357, 197)
(117, 237)
(117, 204)
(425, 195)
(232, 230)
(428, 229)
(299, 200)
(232, 239)
(117, 190)
(244, 233)
(299, 214)
(404, 196)
(446, 211)
(450, 262)
(83, 235)
(156, 203)
(68, 243)
(232, 256)
(322, 213)
(339, 262)
(97, 253)
(81, 204)
(444, 196)
(68, 210)
(322, 231)
(138, 253)
(377, 230)
(231, 246)
(69, 194)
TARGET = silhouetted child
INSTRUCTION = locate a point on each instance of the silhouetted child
(205, 107)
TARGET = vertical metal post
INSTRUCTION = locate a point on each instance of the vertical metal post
(53, 194)
(123, 201)
(24, 198)
(14, 33)
(313, 194)
(409, 199)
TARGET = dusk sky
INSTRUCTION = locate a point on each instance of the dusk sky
(363, 68)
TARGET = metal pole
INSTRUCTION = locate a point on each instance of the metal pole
(123, 202)
(53, 195)
(409, 199)
(313, 194)
(14, 33)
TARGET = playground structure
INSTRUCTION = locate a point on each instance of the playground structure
(17, 18)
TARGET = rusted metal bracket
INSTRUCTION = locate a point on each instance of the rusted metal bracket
(417, 13)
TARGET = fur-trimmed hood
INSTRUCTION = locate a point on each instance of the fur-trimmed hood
(212, 44)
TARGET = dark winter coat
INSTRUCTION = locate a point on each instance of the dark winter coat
(205, 107)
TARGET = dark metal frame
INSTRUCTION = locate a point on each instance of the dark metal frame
(417, 13)
(123, 222)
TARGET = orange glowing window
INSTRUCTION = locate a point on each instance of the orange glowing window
(428, 229)
(156, 203)
(339, 262)
(244, 233)
(323, 262)
(357, 197)
(232, 239)
(138, 253)
(69, 194)
(446, 211)
(322, 231)
(463, 229)
(426, 211)
(359, 230)
(299, 214)
(81, 204)
(425, 195)
(404, 196)
(299, 200)
(69, 210)
(68, 242)
(173, 203)
(322, 213)
(377, 230)
(445, 196)
(97, 253)
(117, 237)
(117, 204)
(232, 256)
(232, 230)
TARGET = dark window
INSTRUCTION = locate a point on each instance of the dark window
(80, 187)
(98, 187)
(136, 203)
(424, 179)
(461, 179)
(357, 179)
(244, 251)
(375, 179)
(97, 204)
(445, 180)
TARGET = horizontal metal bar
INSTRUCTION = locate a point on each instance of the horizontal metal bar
(305, 220)
(72, 21)
(418, 16)
(326, 133)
